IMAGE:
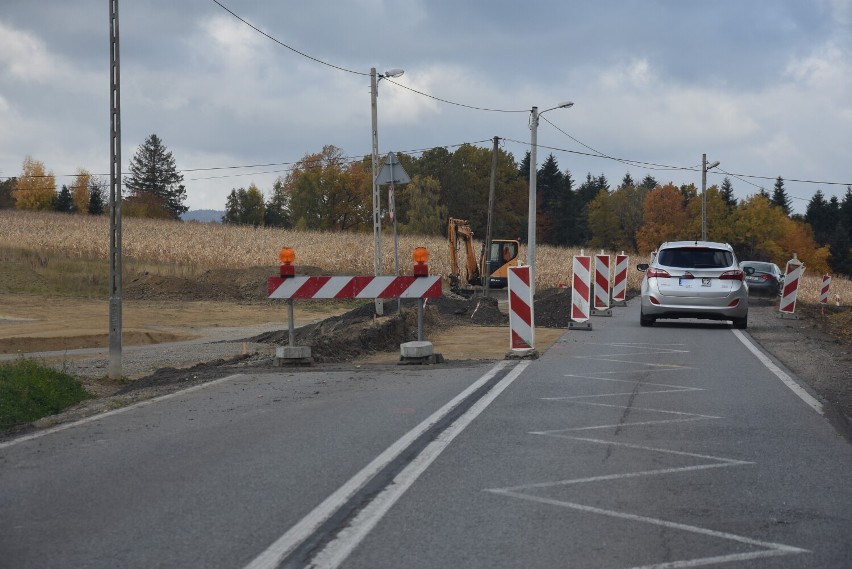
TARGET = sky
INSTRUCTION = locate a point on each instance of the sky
(762, 86)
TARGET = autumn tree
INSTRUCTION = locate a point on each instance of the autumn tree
(757, 226)
(328, 193)
(154, 177)
(717, 215)
(35, 187)
(80, 190)
(665, 218)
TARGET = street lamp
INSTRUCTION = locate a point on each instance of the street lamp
(531, 222)
(377, 214)
(704, 167)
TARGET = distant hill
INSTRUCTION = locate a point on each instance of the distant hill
(204, 215)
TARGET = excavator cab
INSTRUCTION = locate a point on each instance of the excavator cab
(503, 254)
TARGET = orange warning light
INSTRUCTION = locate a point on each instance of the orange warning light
(420, 255)
(286, 256)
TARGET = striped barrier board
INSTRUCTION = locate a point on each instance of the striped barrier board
(826, 286)
(619, 282)
(354, 287)
(793, 275)
(602, 263)
(580, 290)
(521, 314)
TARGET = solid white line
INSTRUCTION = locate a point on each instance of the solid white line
(788, 381)
(282, 547)
(100, 416)
(348, 539)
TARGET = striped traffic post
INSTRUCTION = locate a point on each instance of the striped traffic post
(601, 306)
(826, 286)
(580, 290)
(521, 315)
(619, 282)
(793, 275)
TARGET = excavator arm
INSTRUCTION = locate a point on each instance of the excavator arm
(458, 234)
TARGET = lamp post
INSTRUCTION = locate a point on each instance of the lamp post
(377, 214)
(704, 167)
(531, 221)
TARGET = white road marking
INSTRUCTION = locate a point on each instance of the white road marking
(100, 416)
(285, 544)
(348, 539)
(786, 379)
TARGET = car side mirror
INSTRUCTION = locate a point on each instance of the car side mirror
(642, 267)
(748, 270)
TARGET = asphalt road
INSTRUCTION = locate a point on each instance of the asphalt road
(626, 447)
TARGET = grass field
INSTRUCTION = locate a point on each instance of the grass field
(74, 251)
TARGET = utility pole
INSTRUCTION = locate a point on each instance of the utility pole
(377, 200)
(115, 269)
(704, 168)
(486, 254)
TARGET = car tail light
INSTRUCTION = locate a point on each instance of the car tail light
(734, 303)
(654, 300)
(732, 275)
(658, 273)
(767, 277)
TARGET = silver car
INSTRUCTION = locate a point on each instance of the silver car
(694, 279)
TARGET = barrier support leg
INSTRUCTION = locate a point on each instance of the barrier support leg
(292, 354)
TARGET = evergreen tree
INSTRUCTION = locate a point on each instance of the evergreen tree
(6, 187)
(278, 207)
(97, 197)
(64, 201)
(524, 167)
(549, 185)
(627, 181)
(565, 213)
(823, 217)
(779, 196)
(648, 182)
(153, 173)
(727, 190)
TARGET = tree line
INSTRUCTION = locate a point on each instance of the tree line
(328, 191)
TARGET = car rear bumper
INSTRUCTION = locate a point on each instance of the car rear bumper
(719, 310)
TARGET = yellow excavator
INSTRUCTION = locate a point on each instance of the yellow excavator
(504, 254)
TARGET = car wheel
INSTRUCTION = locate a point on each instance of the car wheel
(741, 323)
(645, 320)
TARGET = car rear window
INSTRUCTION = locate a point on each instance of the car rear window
(695, 258)
(763, 267)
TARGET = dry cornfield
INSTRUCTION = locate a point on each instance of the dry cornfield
(209, 245)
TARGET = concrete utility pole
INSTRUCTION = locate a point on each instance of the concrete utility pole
(704, 168)
(115, 269)
(486, 254)
(377, 214)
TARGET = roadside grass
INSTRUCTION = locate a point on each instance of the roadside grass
(30, 391)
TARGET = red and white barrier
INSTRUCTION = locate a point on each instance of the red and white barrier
(580, 285)
(355, 287)
(826, 285)
(619, 282)
(793, 275)
(521, 314)
(602, 263)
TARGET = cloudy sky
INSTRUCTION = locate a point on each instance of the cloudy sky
(763, 86)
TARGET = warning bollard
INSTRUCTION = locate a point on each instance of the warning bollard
(619, 281)
(521, 315)
(793, 275)
(826, 285)
(580, 289)
(601, 307)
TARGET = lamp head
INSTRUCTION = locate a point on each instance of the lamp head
(394, 73)
(565, 105)
(713, 165)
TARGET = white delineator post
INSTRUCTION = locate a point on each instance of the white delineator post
(580, 290)
(619, 282)
(826, 286)
(602, 264)
(793, 275)
(521, 314)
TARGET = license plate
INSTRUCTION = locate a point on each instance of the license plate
(686, 283)
(705, 282)
(752, 279)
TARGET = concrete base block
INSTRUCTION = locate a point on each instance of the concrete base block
(522, 354)
(788, 315)
(418, 352)
(619, 303)
(604, 312)
(580, 325)
(292, 355)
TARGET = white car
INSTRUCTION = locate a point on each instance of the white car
(694, 279)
